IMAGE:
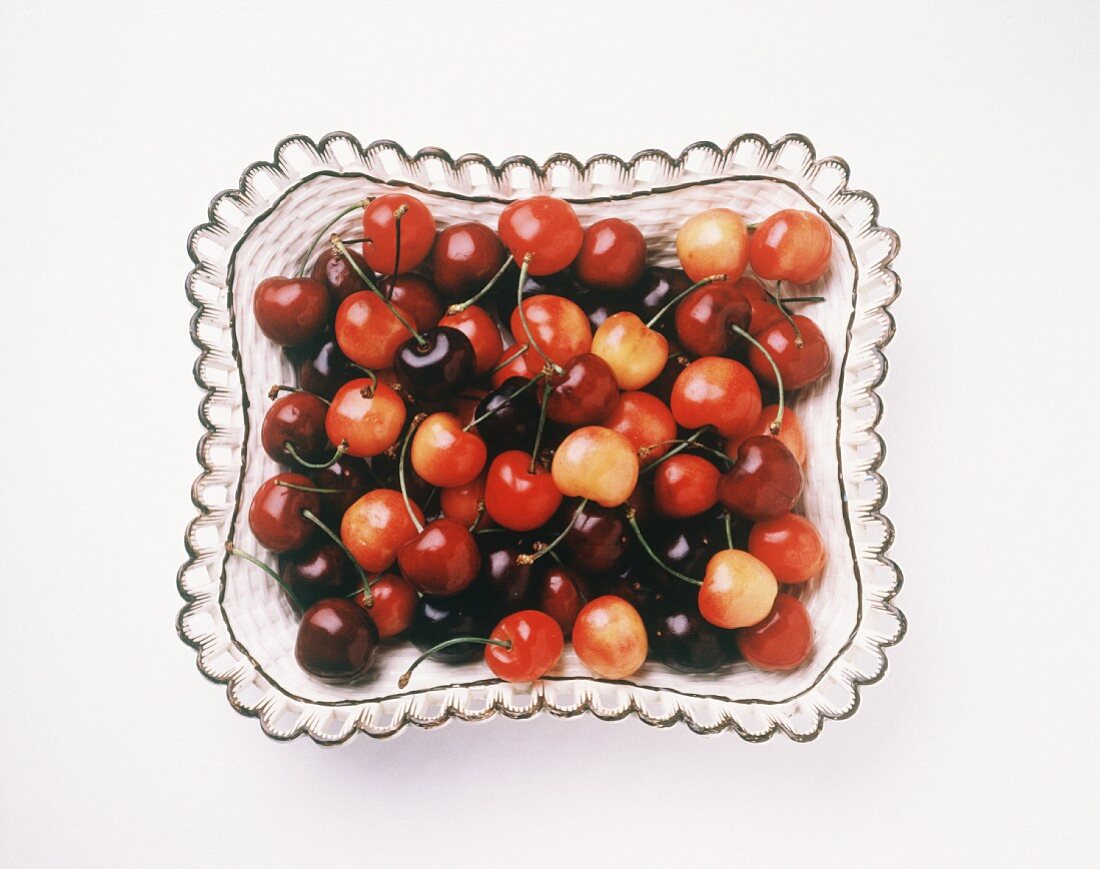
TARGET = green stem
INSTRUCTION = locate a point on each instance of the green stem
(684, 294)
(462, 306)
(777, 423)
(404, 680)
(341, 448)
(343, 251)
(324, 232)
(684, 444)
(335, 538)
(233, 550)
(401, 470)
(548, 548)
(632, 519)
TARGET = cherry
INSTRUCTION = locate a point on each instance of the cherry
(596, 463)
(526, 646)
(703, 319)
(339, 278)
(719, 392)
(657, 288)
(465, 258)
(437, 619)
(782, 640)
(392, 605)
(291, 311)
(515, 496)
(442, 559)
(683, 639)
(557, 592)
(337, 640)
(445, 455)
(294, 427)
(466, 504)
(346, 480)
(738, 590)
(799, 365)
(610, 638)
(713, 242)
(381, 225)
(790, 432)
(439, 367)
(598, 540)
(765, 481)
(476, 324)
(790, 545)
(612, 255)
(557, 328)
(685, 485)
(791, 245)
(414, 294)
(275, 515)
(365, 415)
(545, 227)
(584, 393)
(368, 331)
(506, 578)
(325, 370)
(507, 416)
(645, 421)
(634, 351)
(319, 571)
(376, 526)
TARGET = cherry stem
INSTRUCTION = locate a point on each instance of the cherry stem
(684, 444)
(508, 400)
(549, 547)
(298, 488)
(684, 294)
(413, 426)
(557, 369)
(454, 641)
(643, 452)
(368, 599)
(633, 522)
(343, 251)
(777, 423)
(233, 550)
(273, 393)
(788, 316)
(542, 425)
(521, 349)
(728, 520)
(398, 213)
(367, 391)
(462, 306)
(325, 231)
(341, 448)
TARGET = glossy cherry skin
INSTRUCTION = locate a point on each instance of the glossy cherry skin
(584, 394)
(350, 477)
(738, 590)
(790, 432)
(298, 419)
(791, 245)
(320, 570)
(610, 637)
(799, 366)
(509, 423)
(765, 481)
(516, 499)
(558, 593)
(275, 515)
(325, 370)
(612, 255)
(704, 320)
(442, 559)
(714, 242)
(596, 463)
(376, 526)
(368, 332)
(476, 324)
(291, 311)
(339, 278)
(644, 420)
(337, 640)
(368, 416)
(445, 455)
(415, 294)
(657, 288)
(545, 227)
(437, 619)
(559, 327)
(465, 258)
(790, 545)
(380, 232)
(598, 542)
(442, 367)
(461, 503)
(783, 640)
(536, 644)
(716, 391)
(682, 639)
(685, 485)
(506, 582)
(393, 602)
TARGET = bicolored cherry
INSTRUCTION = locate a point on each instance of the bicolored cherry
(612, 255)
(545, 227)
(368, 332)
(719, 392)
(324, 370)
(291, 311)
(276, 513)
(596, 463)
(294, 429)
(366, 416)
(442, 559)
(466, 504)
(790, 545)
(337, 640)
(610, 638)
(339, 278)
(476, 324)
(737, 591)
(439, 364)
(685, 485)
(518, 498)
(791, 245)
(584, 393)
(380, 233)
(645, 421)
(558, 593)
(790, 432)
(782, 640)
(414, 294)
(376, 526)
(765, 481)
(635, 352)
(704, 318)
(393, 602)
(799, 364)
(465, 258)
(445, 455)
(713, 242)
(318, 571)
(558, 327)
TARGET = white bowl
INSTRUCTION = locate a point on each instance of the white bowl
(243, 628)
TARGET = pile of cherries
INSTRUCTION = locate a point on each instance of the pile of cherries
(503, 440)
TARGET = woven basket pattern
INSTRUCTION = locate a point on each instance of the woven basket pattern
(244, 630)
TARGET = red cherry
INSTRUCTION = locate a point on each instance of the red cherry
(685, 485)
(584, 393)
(559, 327)
(275, 515)
(610, 637)
(790, 433)
(442, 559)
(542, 226)
(791, 245)
(790, 545)
(368, 416)
(291, 311)
(557, 593)
(644, 420)
(476, 324)
(414, 294)
(368, 332)
(393, 604)
(535, 644)
(714, 242)
(295, 426)
(465, 258)
(719, 392)
(380, 232)
(704, 318)
(516, 498)
(765, 481)
(799, 366)
(376, 526)
(783, 640)
(445, 455)
(612, 255)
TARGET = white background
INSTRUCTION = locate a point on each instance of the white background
(976, 127)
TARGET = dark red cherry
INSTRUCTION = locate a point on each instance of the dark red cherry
(339, 278)
(765, 481)
(657, 288)
(508, 417)
(465, 258)
(320, 570)
(584, 394)
(559, 592)
(325, 369)
(598, 541)
(291, 311)
(442, 559)
(704, 319)
(351, 477)
(294, 426)
(506, 582)
(275, 515)
(415, 294)
(682, 639)
(337, 640)
(436, 619)
(438, 369)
